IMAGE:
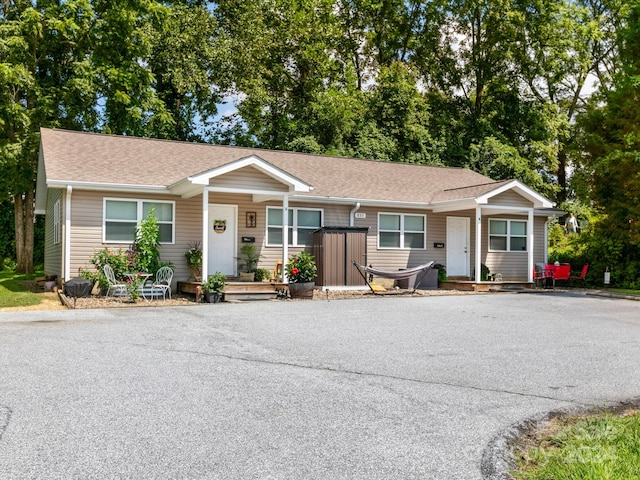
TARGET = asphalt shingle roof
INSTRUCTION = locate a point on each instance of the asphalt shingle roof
(120, 160)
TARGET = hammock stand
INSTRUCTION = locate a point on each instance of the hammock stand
(418, 272)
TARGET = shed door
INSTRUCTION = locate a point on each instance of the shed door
(222, 239)
(458, 251)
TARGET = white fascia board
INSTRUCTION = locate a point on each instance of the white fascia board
(363, 202)
(454, 205)
(108, 187)
(538, 200)
(295, 184)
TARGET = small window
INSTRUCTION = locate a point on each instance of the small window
(403, 231)
(302, 223)
(57, 222)
(121, 218)
(507, 235)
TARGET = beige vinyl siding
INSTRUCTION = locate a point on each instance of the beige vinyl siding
(248, 178)
(333, 216)
(53, 253)
(513, 265)
(393, 259)
(86, 228)
(510, 198)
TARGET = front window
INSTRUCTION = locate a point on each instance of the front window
(399, 230)
(121, 218)
(302, 223)
(507, 235)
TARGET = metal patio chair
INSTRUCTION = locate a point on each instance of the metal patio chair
(162, 282)
(115, 286)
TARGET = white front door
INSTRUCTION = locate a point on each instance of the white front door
(223, 220)
(458, 247)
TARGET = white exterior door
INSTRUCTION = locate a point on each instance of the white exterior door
(223, 220)
(458, 247)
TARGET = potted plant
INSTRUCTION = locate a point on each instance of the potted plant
(193, 257)
(248, 262)
(262, 275)
(301, 272)
(213, 287)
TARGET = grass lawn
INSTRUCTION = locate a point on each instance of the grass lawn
(14, 290)
(596, 447)
(624, 291)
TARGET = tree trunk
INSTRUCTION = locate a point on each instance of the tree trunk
(23, 209)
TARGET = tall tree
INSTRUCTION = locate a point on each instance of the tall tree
(562, 47)
(76, 64)
(612, 128)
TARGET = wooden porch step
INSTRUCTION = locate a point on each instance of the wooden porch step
(246, 291)
(238, 291)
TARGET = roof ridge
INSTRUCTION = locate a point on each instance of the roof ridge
(477, 185)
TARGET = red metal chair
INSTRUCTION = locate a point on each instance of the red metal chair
(562, 272)
(541, 274)
(582, 276)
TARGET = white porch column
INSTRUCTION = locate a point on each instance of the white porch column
(530, 239)
(66, 251)
(285, 236)
(478, 243)
(205, 234)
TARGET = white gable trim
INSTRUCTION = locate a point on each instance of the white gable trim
(295, 184)
(538, 200)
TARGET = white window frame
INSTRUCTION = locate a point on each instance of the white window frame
(509, 235)
(294, 226)
(402, 231)
(139, 217)
(57, 222)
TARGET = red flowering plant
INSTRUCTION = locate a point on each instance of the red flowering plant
(301, 267)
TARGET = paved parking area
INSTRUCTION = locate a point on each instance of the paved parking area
(377, 388)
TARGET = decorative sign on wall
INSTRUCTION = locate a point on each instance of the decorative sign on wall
(251, 219)
(438, 245)
(219, 226)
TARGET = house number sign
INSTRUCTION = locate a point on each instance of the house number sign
(219, 226)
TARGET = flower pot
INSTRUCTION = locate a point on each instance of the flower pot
(213, 297)
(246, 276)
(302, 290)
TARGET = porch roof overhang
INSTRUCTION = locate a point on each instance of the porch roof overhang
(472, 201)
(195, 184)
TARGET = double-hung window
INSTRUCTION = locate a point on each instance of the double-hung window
(507, 235)
(402, 230)
(302, 223)
(57, 222)
(121, 218)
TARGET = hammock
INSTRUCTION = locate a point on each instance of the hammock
(418, 272)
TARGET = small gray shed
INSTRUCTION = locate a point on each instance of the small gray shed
(335, 248)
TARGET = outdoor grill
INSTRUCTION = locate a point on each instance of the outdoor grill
(77, 288)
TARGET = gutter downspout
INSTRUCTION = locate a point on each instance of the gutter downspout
(546, 241)
(530, 242)
(67, 234)
(352, 214)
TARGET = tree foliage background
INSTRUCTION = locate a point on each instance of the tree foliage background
(543, 91)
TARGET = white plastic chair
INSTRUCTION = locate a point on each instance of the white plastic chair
(163, 282)
(114, 286)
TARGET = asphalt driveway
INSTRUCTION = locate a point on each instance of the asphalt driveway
(377, 388)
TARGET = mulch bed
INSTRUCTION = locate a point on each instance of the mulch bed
(185, 300)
